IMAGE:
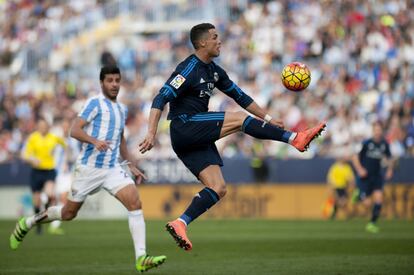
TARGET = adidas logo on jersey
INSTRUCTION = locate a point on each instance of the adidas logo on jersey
(202, 80)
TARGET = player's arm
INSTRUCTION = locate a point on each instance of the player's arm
(362, 172)
(149, 140)
(330, 176)
(350, 177)
(28, 152)
(174, 86)
(258, 111)
(78, 133)
(61, 142)
(230, 88)
(389, 163)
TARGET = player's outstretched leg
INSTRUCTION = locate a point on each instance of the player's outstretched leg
(18, 234)
(146, 262)
(300, 140)
(178, 231)
(304, 138)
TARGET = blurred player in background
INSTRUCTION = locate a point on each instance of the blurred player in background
(194, 130)
(100, 128)
(39, 152)
(369, 163)
(340, 178)
(65, 159)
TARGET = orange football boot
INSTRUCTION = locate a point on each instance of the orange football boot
(178, 231)
(304, 138)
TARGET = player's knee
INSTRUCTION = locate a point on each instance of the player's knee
(377, 197)
(221, 190)
(241, 116)
(135, 205)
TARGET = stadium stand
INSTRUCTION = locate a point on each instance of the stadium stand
(361, 56)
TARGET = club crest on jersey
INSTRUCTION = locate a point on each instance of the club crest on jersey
(177, 81)
(216, 77)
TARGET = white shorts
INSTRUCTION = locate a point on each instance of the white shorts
(89, 180)
(63, 182)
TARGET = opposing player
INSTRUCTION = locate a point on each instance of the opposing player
(65, 159)
(194, 130)
(375, 154)
(100, 127)
(340, 177)
(38, 152)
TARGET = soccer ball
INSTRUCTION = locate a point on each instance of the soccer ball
(296, 76)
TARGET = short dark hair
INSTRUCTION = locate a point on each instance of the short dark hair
(198, 31)
(108, 70)
(378, 123)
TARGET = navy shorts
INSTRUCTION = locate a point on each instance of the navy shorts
(341, 192)
(193, 137)
(370, 184)
(38, 178)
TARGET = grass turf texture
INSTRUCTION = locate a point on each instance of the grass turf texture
(220, 247)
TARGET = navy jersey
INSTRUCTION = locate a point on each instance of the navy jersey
(190, 86)
(371, 155)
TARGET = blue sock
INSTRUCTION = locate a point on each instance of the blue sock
(259, 129)
(201, 202)
(376, 210)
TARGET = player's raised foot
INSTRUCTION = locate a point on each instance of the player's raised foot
(372, 228)
(18, 234)
(146, 262)
(304, 138)
(178, 231)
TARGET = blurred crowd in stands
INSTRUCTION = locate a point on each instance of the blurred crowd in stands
(361, 55)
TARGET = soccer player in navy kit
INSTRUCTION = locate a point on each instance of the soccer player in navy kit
(194, 129)
(368, 164)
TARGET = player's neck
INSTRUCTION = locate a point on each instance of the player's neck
(204, 57)
(110, 99)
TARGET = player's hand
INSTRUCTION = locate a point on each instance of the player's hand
(138, 174)
(102, 145)
(277, 123)
(147, 143)
(34, 161)
(362, 172)
(388, 174)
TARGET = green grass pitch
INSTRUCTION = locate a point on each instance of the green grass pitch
(219, 247)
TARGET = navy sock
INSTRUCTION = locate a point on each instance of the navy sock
(201, 202)
(259, 129)
(36, 210)
(376, 210)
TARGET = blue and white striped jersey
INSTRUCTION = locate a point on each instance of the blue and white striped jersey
(106, 121)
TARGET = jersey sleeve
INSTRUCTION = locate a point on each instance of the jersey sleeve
(28, 149)
(124, 112)
(89, 110)
(350, 174)
(363, 150)
(227, 86)
(330, 176)
(176, 84)
(60, 141)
